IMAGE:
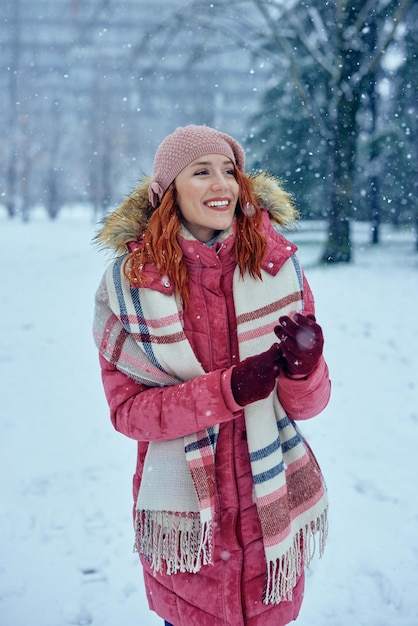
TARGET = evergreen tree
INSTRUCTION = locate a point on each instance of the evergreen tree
(340, 45)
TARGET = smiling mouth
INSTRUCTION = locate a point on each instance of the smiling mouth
(218, 204)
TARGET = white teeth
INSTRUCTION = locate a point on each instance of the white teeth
(218, 203)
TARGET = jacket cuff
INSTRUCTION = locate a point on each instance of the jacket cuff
(305, 397)
(227, 394)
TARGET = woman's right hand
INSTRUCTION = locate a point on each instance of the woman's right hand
(254, 378)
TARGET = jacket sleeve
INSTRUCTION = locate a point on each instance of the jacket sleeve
(161, 413)
(304, 398)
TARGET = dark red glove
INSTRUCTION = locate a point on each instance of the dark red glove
(253, 379)
(301, 343)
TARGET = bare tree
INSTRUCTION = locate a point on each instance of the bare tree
(13, 112)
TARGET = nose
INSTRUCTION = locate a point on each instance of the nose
(219, 180)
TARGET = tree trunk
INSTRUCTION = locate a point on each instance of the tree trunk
(14, 126)
(375, 210)
(338, 246)
(416, 233)
(11, 183)
(343, 111)
(375, 213)
(52, 201)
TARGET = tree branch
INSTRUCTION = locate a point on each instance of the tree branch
(370, 68)
(320, 59)
(286, 49)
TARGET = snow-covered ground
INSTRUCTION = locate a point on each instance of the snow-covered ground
(65, 513)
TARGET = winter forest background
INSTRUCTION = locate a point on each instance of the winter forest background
(322, 94)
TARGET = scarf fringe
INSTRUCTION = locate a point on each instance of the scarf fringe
(173, 542)
(282, 574)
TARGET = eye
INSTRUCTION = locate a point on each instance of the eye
(230, 172)
(203, 172)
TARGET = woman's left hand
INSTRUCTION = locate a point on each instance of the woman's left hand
(301, 344)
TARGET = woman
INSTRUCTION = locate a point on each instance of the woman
(210, 351)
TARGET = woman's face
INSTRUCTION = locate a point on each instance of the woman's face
(207, 194)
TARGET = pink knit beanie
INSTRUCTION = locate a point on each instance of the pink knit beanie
(184, 145)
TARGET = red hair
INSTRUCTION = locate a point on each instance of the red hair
(159, 244)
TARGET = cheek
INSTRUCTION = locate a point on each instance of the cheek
(185, 200)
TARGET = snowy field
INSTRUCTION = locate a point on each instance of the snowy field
(65, 517)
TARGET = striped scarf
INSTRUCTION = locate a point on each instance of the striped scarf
(141, 332)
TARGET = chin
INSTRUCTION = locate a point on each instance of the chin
(224, 224)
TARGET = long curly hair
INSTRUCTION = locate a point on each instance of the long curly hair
(160, 246)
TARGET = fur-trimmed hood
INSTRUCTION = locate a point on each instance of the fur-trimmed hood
(128, 222)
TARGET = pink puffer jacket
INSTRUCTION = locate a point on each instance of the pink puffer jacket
(228, 593)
